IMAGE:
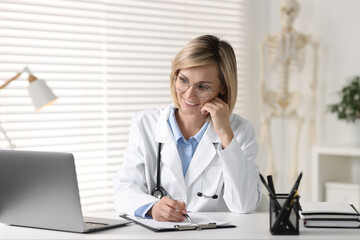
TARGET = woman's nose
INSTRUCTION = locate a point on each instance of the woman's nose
(190, 92)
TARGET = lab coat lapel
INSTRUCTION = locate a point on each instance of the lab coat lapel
(171, 159)
(169, 153)
(204, 154)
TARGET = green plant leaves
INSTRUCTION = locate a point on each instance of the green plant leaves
(349, 106)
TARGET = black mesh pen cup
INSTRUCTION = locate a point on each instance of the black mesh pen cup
(284, 221)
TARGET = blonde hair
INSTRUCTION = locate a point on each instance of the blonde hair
(204, 50)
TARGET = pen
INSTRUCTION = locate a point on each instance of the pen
(276, 203)
(271, 184)
(272, 195)
(286, 208)
(188, 218)
(185, 215)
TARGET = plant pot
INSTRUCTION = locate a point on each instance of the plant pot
(355, 133)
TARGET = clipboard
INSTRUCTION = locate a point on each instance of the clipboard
(175, 226)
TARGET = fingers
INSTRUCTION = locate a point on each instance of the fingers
(170, 214)
(210, 106)
(177, 205)
(218, 102)
(214, 106)
(220, 117)
(169, 210)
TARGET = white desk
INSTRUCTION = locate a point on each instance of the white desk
(249, 226)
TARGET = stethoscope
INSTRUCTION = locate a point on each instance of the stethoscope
(159, 192)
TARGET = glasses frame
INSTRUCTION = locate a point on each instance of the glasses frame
(195, 86)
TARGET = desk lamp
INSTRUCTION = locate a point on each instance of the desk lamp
(39, 92)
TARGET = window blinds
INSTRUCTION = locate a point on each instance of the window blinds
(105, 59)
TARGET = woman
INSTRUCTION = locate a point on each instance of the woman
(206, 153)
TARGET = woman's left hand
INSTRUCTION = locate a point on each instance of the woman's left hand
(220, 115)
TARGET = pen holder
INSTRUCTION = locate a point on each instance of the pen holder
(289, 224)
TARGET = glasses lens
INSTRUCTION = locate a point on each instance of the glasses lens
(202, 92)
(181, 85)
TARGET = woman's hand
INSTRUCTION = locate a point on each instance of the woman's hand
(220, 115)
(168, 210)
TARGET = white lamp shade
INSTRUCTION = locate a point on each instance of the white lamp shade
(41, 94)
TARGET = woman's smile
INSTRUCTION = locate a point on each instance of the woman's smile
(189, 103)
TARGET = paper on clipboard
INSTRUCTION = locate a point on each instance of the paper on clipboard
(197, 218)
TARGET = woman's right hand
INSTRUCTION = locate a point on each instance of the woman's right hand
(168, 210)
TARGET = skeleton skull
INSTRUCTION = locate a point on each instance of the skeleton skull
(288, 11)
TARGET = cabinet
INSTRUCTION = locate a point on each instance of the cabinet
(343, 192)
(334, 164)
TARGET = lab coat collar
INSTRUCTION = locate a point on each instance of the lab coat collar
(163, 132)
(212, 135)
(204, 154)
(169, 153)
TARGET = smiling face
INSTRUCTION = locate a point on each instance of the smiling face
(203, 77)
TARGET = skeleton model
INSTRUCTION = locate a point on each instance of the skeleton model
(284, 52)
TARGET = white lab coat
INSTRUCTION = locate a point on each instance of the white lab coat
(230, 173)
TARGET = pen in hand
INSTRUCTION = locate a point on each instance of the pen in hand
(188, 217)
(185, 215)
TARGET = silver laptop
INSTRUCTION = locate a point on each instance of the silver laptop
(40, 189)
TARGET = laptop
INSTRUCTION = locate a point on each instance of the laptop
(40, 190)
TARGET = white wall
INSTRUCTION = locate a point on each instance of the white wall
(334, 24)
(259, 20)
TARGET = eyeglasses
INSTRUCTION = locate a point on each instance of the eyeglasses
(203, 92)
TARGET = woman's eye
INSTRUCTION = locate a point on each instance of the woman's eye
(204, 88)
(183, 80)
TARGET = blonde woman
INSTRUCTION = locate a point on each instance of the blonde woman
(194, 155)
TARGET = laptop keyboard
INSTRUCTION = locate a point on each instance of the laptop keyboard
(92, 225)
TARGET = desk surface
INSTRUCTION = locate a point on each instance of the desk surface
(249, 226)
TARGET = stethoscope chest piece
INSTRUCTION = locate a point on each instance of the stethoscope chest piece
(158, 192)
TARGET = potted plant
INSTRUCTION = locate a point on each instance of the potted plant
(348, 108)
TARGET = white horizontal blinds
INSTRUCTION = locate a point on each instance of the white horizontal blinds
(105, 60)
(62, 42)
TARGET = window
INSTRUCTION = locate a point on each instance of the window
(105, 59)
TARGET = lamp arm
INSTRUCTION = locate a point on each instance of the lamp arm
(11, 145)
(10, 80)
(26, 70)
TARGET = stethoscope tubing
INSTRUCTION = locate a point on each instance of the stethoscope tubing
(159, 191)
(158, 178)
